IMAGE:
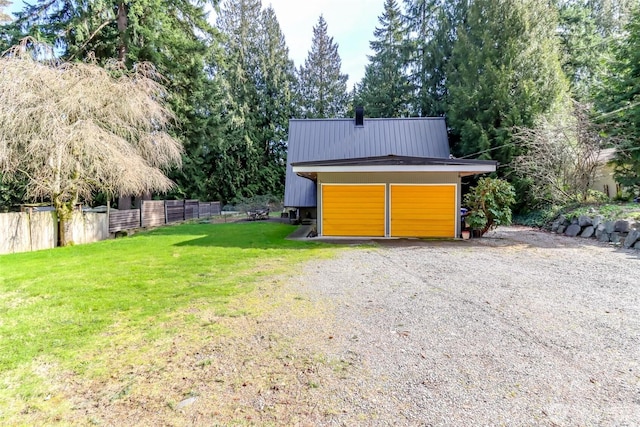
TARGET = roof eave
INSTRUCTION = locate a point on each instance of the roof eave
(307, 171)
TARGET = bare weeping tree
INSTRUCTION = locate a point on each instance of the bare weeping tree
(74, 129)
(3, 16)
(561, 155)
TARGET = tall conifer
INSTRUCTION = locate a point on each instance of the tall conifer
(322, 86)
(385, 90)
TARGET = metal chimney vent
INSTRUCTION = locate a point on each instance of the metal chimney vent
(359, 116)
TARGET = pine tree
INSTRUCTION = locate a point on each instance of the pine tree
(504, 72)
(620, 98)
(237, 161)
(259, 79)
(276, 101)
(322, 87)
(385, 91)
(431, 32)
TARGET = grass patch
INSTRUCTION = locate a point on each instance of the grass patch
(59, 308)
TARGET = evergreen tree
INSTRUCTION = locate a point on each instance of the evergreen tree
(259, 79)
(276, 92)
(322, 87)
(385, 91)
(588, 32)
(504, 72)
(431, 32)
(620, 97)
(237, 159)
(584, 48)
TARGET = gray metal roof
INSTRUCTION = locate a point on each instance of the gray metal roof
(336, 139)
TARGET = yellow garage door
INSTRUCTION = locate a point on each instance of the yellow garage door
(353, 210)
(423, 210)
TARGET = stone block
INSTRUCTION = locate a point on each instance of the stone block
(598, 233)
(637, 245)
(615, 237)
(632, 237)
(573, 230)
(621, 226)
(584, 221)
(587, 232)
(604, 237)
(610, 226)
(597, 220)
(561, 229)
(554, 226)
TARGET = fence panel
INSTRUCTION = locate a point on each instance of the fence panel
(191, 209)
(27, 231)
(152, 213)
(124, 220)
(216, 208)
(204, 210)
(174, 210)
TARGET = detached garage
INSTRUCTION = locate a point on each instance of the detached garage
(377, 177)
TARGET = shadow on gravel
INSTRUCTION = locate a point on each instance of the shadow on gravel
(507, 237)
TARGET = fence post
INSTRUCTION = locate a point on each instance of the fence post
(166, 214)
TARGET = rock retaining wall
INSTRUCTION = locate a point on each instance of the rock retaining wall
(625, 233)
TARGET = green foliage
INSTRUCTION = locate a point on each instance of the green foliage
(619, 98)
(504, 72)
(12, 192)
(430, 28)
(489, 204)
(258, 79)
(384, 90)
(322, 88)
(584, 47)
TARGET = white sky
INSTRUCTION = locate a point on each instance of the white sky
(350, 22)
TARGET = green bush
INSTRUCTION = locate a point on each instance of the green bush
(489, 204)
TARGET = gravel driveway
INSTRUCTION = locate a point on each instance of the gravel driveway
(518, 328)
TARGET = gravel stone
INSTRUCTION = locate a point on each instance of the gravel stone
(490, 331)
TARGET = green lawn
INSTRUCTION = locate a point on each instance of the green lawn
(64, 305)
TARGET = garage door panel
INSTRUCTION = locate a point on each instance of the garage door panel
(353, 210)
(423, 210)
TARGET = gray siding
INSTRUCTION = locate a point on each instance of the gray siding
(333, 139)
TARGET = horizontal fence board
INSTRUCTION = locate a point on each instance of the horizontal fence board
(124, 220)
(153, 213)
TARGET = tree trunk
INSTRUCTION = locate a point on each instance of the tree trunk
(122, 30)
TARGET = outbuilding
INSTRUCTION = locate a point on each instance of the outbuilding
(377, 177)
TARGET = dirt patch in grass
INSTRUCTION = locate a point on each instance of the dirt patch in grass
(262, 363)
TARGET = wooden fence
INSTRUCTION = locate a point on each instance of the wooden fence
(159, 212)
(31, 231)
